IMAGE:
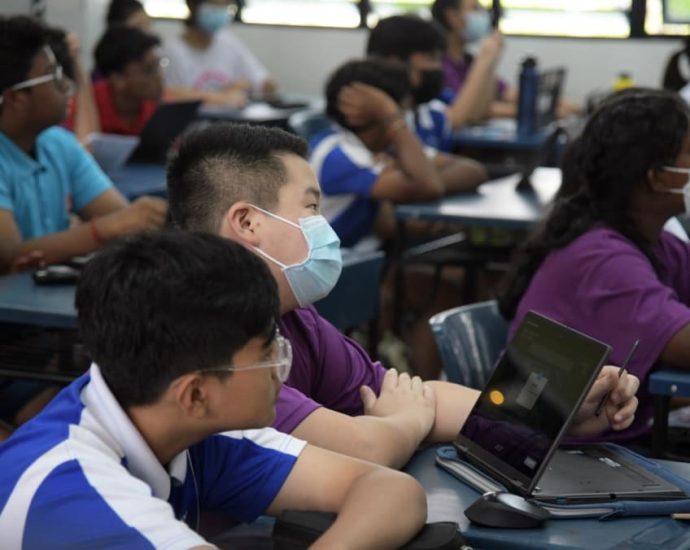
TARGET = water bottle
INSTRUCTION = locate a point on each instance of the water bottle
(527, 97)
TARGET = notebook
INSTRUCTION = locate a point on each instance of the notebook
(165, 125)
(513, 432)
(111, 150)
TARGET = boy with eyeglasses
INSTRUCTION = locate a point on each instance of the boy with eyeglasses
(134, 452)
(132, 86)
(45, 174)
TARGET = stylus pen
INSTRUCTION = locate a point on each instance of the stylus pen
(600, 406)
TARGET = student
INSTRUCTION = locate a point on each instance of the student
(133, 452)
(420, 45)
(209, 63)
(130, 13)
(132, 86)
(371, 155)
(471, 83)
(45, 174)
(253, 185)
(601, 263)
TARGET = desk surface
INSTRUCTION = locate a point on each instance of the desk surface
(499, 134)
(448, 497)
(261, 112)
(496, 203)
(135, 180)
(23, 302)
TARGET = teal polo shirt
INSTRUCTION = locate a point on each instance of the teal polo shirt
(41, 192)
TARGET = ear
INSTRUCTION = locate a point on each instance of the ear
(190, 393)
(657, 180)
(243, 223)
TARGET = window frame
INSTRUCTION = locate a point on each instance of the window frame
(638, 12)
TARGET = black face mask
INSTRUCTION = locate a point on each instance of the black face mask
(430, 86)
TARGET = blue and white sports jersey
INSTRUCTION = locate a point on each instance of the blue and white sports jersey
(432, 125)
(80, 475)
(347, 171)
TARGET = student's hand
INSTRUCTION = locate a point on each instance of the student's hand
(402, 395)
(491, 47)
(73, 46)
(144, 214)
(568, 108)
(35, 258)
(619, 411)
(362, 104)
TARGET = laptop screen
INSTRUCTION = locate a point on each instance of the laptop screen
(529, 401)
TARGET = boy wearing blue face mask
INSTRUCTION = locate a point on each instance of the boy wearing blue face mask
(254, 186)
(211, 64)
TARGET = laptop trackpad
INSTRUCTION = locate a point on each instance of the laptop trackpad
(593, 472)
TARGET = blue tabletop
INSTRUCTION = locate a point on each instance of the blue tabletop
(496, 203)
(135, 180)
(23, 302)
(448, 497)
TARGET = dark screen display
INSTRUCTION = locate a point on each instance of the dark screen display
(532, 393)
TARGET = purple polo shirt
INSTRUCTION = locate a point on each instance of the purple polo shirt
(602, 285)
(327, 370)
(455, 75)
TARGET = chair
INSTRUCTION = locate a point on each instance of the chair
(470, 339)
(309, 122)
(354, 301)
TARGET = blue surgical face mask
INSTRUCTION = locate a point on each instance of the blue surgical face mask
(477, 26)
(211, 19)
(685, 190)
(314, 277)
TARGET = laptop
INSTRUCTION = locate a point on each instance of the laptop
(513, 432)
(167, 122)
(549, 92)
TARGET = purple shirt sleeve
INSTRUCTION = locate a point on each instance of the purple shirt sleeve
(327, 370)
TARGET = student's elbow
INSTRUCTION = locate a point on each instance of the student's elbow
(414, 502)
(379, 448)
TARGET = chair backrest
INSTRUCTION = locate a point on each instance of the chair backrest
(470, 339)
(309, 122)
(355, 299)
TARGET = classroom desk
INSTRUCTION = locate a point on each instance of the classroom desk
(25, 303)
(496, 203)
(261, 112)
(447, 498)
(135, 180)
(499, 134)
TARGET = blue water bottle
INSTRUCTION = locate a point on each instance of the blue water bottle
(527, 97)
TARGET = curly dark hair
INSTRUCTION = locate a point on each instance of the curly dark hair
(631, 133)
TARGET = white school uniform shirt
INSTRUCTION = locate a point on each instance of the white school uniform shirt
(80, 475)
(225, 61)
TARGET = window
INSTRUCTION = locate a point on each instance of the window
(576, 18)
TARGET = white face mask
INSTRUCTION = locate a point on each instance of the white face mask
(685, 190)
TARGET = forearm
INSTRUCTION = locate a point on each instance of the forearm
(472, 103)
(459, 175)
(503, 109)
(383, 509)
(453, 405)
(55, 247)
(413, 161)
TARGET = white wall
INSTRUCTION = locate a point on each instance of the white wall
(302, 58)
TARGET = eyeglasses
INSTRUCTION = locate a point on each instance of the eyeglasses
(56, 75)
(282, 363)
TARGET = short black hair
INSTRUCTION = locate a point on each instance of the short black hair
(400, 36)
(153, 307)
(388, 76)
(120, 45)
(21, 38)
(438, 11)
(121, 10)
(224, 163)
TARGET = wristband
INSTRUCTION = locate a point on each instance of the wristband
(94, 233)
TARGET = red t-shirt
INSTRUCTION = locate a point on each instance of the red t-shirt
(111, 122)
